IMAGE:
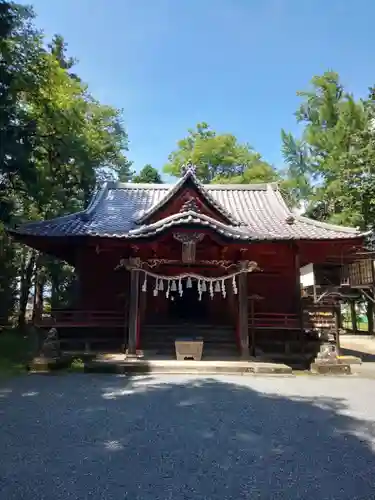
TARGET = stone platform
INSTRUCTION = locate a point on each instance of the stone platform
(118, 364)
(331, 368)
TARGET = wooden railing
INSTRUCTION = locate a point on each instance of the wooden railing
(321, 318)
(274, 320)
(80, 318)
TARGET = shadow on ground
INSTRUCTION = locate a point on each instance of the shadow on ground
(366, 357)
(111, 437)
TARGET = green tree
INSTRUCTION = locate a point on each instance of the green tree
(57, 142)
(58, 49)
(148, 175)
(257, 172)
(20, 46)
(218, 158)
(332, 120)
(356, 167)
(298, 175)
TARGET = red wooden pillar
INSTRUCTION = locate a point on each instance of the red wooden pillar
(133, 312)
(243, 313)
(298, 297)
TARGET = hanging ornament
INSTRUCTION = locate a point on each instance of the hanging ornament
(189, 283)
(168, 288)
(180, 289)
(199, 290)
(204, 286)
(217, 287)
(144, 286)
(173, 286)
(234, 285)
(211, 290)
(224, 292)
(161, 285)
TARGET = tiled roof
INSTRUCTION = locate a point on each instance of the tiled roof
(189, 175)
(257, 212)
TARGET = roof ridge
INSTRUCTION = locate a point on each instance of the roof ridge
(96, 199)
(327, 225)
(189, 174)
(210, 187)
(181, 215)
(139, 185)
(193, 217)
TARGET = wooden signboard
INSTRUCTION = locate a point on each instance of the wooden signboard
(319, 318)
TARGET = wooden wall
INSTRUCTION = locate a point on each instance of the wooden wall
(101, 286)
(104, 288)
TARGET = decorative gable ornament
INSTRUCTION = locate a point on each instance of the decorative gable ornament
(190, 205)
(189, 244)
(188, 168)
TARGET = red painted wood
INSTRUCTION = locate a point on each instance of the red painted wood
(174, 206)
(275, 320)
(82, 318)
(138, 340)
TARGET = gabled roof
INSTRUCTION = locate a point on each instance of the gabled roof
(189, 177)
(253, 213)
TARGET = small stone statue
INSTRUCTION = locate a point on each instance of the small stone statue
(328, 354)
(51, 345)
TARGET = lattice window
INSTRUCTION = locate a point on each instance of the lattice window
(361, 273)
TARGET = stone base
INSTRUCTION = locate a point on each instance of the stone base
(349, 360)
(189, 350)
(139, 354)
(330, 368)
(43, 364)
(189, 367)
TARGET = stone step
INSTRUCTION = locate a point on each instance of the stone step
(186, 367)
(330, 368)
(188, 332)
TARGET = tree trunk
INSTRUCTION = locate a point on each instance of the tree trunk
(38, 291)
(370, 317)
(55, 286)
(9, 273)
(27, 268)
(353, 316)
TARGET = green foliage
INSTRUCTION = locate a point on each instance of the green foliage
(331, 167)
(8, 278)
(219, 158)
(19, 46)
(57, 142)
(16, 350)
(77, 365)
(297, 177)
(256, 173)
(148, 175)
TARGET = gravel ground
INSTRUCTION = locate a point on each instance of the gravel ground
(183, 437)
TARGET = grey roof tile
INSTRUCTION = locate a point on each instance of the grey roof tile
(258, 212)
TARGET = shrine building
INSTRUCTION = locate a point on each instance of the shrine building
(156, 262)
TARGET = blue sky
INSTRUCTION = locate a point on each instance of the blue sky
(235, 64)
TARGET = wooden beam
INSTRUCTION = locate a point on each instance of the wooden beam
(298, 296)
(133, 311)
(252, 326)
(243, 313)
(337, 327)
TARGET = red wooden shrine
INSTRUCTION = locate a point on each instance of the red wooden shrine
(134, 236)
